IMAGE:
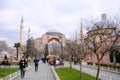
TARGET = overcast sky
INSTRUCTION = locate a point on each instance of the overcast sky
(44, 15)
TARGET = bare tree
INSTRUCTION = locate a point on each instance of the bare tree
(3, 46)
(70, 49)
(78, 49)
(101, 40)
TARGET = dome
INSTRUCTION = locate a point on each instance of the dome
(53, 32)
(104, 23)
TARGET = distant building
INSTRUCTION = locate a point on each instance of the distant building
(109, 27)
(48, 37)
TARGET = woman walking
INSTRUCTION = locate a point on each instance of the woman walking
(23, 65)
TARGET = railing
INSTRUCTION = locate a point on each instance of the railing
(11, 76)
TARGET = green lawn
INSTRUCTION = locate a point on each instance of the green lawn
(66, 74)
(6, 71)
(30, 63)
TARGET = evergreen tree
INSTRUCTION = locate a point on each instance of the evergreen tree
(46, 50)
(17, 45)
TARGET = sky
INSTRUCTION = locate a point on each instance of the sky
(43, 15)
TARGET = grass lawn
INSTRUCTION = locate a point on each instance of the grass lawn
(66, 74)
(30, 63)
(6, 71)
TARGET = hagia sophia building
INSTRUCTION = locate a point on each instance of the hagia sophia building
(50, 37)
(53, 36)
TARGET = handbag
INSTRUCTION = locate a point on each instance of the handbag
(24, 69)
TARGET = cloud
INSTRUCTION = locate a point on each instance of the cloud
(44, 15)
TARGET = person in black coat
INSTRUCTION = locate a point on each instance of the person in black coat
(22, 64)
(36, 61)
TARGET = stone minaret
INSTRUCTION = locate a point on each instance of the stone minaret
(21, 31)
(29, 33)
(103, 16)
(76, 38)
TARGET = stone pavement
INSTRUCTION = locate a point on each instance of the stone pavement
(44, 73)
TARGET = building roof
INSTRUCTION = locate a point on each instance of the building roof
(53, 32)
(104, 24)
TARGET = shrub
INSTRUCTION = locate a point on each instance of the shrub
(15, 62)
(109, 65)
(90, 63)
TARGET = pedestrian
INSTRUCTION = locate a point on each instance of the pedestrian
(36, 61)
(75, 60)
(23, 65)
(54, 62)
(44, 60)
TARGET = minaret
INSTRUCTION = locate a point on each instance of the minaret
(76, 38)
(29, 33)
(103, 16)
(21, 31)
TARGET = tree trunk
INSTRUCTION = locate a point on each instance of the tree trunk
(98, 71)
(17, 53)
(80, 62)
(70, 63)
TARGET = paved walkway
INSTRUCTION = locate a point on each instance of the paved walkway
(44, 73)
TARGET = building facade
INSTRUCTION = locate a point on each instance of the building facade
(102, 36)
(48, 37)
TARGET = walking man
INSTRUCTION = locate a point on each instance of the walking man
(36, 61)
(22, 67)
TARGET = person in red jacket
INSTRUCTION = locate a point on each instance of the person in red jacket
(22, 67)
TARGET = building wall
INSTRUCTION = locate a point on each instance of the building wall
(46, 38)
(91, 57)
